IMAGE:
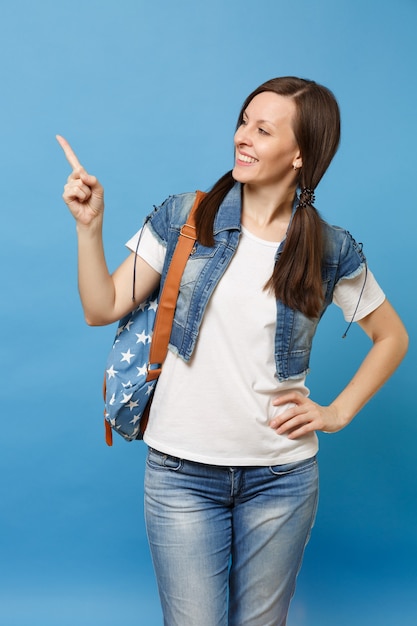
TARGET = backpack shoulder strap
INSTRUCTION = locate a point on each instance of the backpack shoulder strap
(169, 295)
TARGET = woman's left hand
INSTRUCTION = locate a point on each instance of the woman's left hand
(304, 417)
(390, 342)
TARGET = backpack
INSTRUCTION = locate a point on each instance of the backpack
(140, 346)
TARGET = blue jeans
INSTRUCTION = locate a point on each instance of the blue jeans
(227, 542)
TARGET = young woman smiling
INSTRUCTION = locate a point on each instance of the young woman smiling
(231, 480)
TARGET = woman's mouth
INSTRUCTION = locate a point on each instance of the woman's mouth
(244, 158)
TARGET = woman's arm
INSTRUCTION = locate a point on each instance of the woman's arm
(390, 343)
(105, 297)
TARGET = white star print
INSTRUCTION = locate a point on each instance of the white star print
(142, 371)
(153, 305)
(111, 372)
(133, 404)
(127, 356)
(128, 325)
(136, 418)
(143, 338)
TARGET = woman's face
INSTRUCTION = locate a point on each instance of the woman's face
(265, 147)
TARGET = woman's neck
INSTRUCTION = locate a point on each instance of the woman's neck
(267, 213)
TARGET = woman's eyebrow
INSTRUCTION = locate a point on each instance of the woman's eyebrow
(244, 114)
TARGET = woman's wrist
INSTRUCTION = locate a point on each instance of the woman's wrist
(91, 230)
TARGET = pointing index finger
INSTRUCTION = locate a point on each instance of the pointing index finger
(69, 153)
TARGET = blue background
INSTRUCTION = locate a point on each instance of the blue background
(148, 94)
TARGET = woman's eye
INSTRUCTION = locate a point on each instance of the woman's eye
(262, 131)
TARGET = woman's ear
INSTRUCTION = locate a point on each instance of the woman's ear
(298, 162)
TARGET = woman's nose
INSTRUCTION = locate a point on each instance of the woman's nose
(243, 136)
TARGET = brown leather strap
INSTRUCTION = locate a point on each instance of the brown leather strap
(169, 295)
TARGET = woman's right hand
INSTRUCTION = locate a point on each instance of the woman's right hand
(83, 194)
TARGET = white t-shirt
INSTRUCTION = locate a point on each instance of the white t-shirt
(216, 408)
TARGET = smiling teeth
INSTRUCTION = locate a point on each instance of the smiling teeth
(247, 159)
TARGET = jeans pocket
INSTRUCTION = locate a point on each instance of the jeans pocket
(160, 461)
(293, 468)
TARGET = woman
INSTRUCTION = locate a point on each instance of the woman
(231, 480)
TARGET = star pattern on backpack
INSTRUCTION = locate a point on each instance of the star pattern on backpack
(127, 368)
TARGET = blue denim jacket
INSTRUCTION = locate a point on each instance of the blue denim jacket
(343, 258)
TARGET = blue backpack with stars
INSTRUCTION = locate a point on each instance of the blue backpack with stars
(140, 346)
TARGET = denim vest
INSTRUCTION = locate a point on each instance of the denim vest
(343, 258)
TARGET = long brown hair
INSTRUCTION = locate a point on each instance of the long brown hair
(296, 279)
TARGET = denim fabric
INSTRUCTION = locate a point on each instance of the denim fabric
(227, 543)
(343, 258)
